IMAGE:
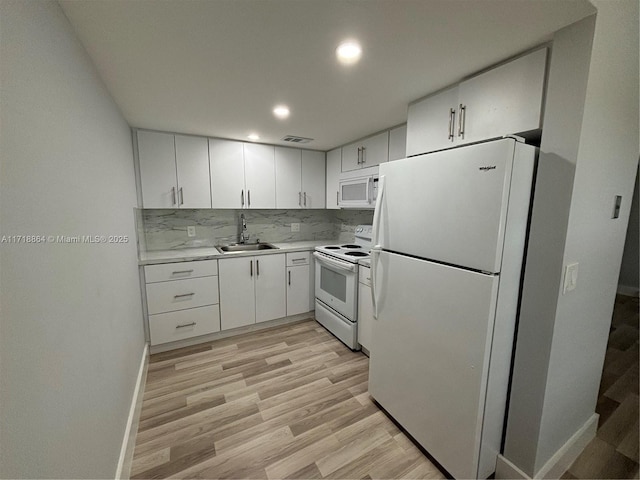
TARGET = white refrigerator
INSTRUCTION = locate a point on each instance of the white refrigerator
(449, 237)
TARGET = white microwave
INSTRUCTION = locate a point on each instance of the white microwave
(358, 192)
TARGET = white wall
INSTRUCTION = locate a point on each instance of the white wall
(628, 283)
(71, 334)
(590, 142)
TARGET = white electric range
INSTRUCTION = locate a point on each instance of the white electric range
(337, 285)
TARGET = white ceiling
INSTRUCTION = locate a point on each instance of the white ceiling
(217, 67)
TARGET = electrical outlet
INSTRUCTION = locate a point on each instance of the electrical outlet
(191, 231)
(570, 278)
(295, 227)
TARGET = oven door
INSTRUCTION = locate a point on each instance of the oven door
(336, 283)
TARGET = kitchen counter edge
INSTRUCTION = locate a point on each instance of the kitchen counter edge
(208, 253)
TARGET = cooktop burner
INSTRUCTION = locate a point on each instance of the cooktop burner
(332, 247)
(357, 254)
(349, 245)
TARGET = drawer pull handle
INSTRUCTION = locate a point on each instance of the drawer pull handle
(180, 272)
(192, 324)
(184, 295)
(298, 259)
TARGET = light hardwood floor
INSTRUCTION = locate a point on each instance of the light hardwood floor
(287, 402)
(613, 453)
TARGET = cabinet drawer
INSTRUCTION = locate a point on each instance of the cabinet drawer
(181, 294)
(172, 326)
(177, 271)
(364, 275)
(298, 258)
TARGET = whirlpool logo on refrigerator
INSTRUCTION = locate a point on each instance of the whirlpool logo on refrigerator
(486, 168)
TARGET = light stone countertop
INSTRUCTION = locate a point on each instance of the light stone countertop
(207, 253)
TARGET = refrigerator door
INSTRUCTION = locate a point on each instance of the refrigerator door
(430, 354)
(449, 206)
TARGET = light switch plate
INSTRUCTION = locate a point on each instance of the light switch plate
(295, 227)
(191, 231)
(570, 278)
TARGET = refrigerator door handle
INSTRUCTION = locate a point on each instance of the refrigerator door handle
(376, 248)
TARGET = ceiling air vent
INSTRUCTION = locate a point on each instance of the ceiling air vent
(295, 139)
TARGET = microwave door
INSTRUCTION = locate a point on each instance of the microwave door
(356, 192)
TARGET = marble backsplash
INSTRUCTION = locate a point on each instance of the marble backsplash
(167, 229)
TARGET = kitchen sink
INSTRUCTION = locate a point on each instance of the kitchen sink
(245, 247)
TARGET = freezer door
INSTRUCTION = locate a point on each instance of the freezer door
(451, 206)
(430, 354)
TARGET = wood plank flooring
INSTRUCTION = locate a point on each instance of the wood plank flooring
(287, 402)
(613, 453)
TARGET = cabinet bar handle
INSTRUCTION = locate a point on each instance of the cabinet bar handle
(305, 199)
(251, 267)
(462, 120)
(181, 196)
(364, 158)
(184, 295)
(337, 198)
(173, 195)
(298, 259)
(192, 324)
(289, 277)
(242, 197)
(178, 272)
(452, 116)
(359, 150)
(300, 198)
(249, 197)
(258, 267)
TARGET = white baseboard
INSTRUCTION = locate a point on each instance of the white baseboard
(128, 442)
(559, 462)
(628, 291)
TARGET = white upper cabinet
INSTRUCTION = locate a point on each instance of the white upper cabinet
(260, 175)
(313, 179)
(398, 143)
(174, 170)
(334, 167)
(300, 178)
(367, 152)
(431, 122)
(227, 173)
(242, 174)
(502, 101)
(288, 175)
(192, 167)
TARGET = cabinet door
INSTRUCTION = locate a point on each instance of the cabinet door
(351, 157)
(157, 158)
(313, 176)
(429, 122)
(334, 160)
(376, 150)
(398, 143)
(505, 100)
(260, 175)
(288, 175)
(227, 173)
(237, 296)
(192, 166)
(297, 290)
(365, 316)
(270, 287)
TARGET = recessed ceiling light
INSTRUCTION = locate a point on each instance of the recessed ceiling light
(281, 111)
(253, 137)
(349, 52)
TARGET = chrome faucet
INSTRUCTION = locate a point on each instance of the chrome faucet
(243, 229)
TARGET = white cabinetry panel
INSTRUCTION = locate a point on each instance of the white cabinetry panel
(334, 167)
(260, 175)
(313, 179)
(156, 155)
(181, 294)
(192, 165)
(270, 287)
(173, 326)
(288, 175)
(227, 173)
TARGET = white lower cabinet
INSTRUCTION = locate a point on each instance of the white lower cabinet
(365, 308)
(298, 282)
(252, 290)
(182, 300)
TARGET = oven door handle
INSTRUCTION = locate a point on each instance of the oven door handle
(348, 267)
